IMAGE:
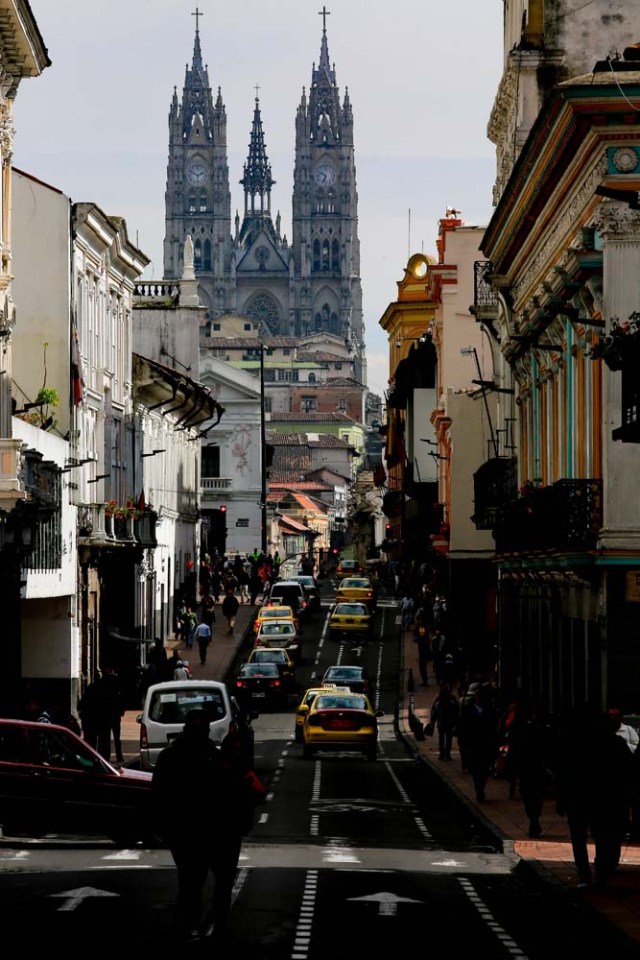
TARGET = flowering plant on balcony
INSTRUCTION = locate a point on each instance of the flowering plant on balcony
(129, 509)
(621, 344)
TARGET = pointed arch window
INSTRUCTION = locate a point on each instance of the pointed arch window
(312, 378)
(193, 203)
(202, 202)
(326, 256)
(335, 255)
(320, 202)
(316, 255)
(331, 201)
(197, 255)
(207, 255)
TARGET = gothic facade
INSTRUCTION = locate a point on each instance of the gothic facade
(298, 288)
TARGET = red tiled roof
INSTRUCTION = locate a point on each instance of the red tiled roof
(275, 439)
(285, 417)
(306, 502)
(294, 524)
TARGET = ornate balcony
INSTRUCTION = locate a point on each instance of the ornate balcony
(215, 484)
(495, 483)
(565, 516)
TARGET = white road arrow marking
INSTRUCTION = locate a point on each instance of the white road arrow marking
(447, 863)
(387, 902)
(75, 897)
(123, 855)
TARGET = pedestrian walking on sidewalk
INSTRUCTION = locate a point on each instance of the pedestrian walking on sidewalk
(594, 769)
(406, 608)
(421, 637)
(203, 639)
(192, 766)
(230, 606)
(478, 731)
(182, 671)
(445, 712)
(530, 759)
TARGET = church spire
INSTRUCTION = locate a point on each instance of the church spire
(324, 98)
(324, 64)
(197, 53)
(257, 180)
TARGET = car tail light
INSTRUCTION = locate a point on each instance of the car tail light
(144, 738)
(275, 683)
(241, 683)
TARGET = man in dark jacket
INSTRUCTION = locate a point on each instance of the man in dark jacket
(193, 767)
(230, 606)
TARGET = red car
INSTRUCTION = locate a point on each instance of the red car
(51, 781)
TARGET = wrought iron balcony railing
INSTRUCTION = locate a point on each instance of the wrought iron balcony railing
(565, 516)
(495, 483)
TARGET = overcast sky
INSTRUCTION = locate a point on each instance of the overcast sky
(421, 75)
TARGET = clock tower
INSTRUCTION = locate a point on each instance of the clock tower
(325, 241)
(197, 198)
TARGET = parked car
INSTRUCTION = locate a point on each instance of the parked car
(342, 721)
(291, 593)
(348, 568)
(312, 589)
(350, 618)
(260, 685)
(279, 633)
(52, 781)
(166, 707)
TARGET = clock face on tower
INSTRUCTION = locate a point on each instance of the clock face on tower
(197, 174)
(325, 174)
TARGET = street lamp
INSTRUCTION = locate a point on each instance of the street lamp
(263, 458)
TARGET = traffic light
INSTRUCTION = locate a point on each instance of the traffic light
(387, 528)
(223, 508)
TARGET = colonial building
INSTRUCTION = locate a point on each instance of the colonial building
(558, 285)
(308, 284)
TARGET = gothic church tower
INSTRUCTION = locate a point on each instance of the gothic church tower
(304, 288)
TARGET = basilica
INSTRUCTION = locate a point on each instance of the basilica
(305, 287)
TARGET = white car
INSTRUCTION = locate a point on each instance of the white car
(279, 633)
(166, 707)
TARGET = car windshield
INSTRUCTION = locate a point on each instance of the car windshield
(269, 656)
(348, 565)
(279, 628)
(344, 674)
(259, 670)
(173, 706)
(354, 582)
(350, 610)
(340, 703)
(273, 613)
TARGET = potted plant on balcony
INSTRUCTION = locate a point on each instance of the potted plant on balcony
(621, 345)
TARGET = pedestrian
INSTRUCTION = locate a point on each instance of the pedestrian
(594, 771)
(172, 664)
(182, 671)
(421, 637)
(157, 658)
(445, 712)
(194, 767)
(624, 730)
(208, 615)
(189, 624)
(529, 739)
(114, 705)
(406, 609)
(255, 585)
(203, 639)
(230, 606)
(478, 731)
(243, 585)
(101, 711)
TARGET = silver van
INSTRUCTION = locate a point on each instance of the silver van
(166, 707)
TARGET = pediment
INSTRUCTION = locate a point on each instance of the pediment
(228, 383)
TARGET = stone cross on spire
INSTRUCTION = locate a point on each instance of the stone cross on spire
(324, 13)
(197, 14)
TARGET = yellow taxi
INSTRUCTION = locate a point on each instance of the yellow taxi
(337, 720)
(350, 617)
(307, 700)
(273, 612)
(357, 588)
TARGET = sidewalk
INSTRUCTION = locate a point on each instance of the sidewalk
(221, 652)
(551, 854)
